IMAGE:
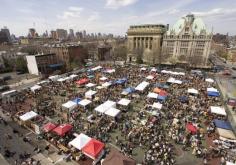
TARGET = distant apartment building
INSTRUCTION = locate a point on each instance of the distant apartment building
(187, 42)
(32, 33)
(43, 64)
(7, 32)
(69, 53)
(232, 54)
(61, 34)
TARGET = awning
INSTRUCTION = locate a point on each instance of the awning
(160, 97)
(103, 79)
(150, 77)
(28, 116)
(212, 90)
(106, 84)
(209, 80)
(62, 129)
(48, 127)
(90, 93)
(89, 85)
(142, 86)
(128, 91)
(96, 68)
(35, 87)
(93, 148)
(113, 112)
(80, 141)
(84, 102)
(157, 105)
(70, 105)
(222, 124)
(228, 134)
(192, 91)
(152, 95)
(190, 127)
(121, 81)
(82, 81)
(218, 110)
(77, 100)
(213, 94)
(124, 102)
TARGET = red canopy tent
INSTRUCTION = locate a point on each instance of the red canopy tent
(82, 81)
(163, 93)
(62, 129)
(190, 127)
(48, 127)
(93, 148)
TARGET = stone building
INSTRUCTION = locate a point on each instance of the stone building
(144, 43)
(187, 42)
(69, 53)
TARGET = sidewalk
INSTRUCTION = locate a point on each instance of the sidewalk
(231, 114)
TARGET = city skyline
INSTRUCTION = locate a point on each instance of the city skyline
(111, 16)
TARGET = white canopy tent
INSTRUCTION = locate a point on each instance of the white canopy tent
(113, 112)
(69, 105)
(42, 82)
(99, 87)
(61, 80)
(143, 69)
(212, 90)
(142, 86)
(173, 73)
(90, 93)
(157, 105)
(230, 163)
(105, 106)
(210, 80)
(106, 84)
(152, 95)
(103, 79)
(28, 116)
(80, 141)
(174, 81)
(96, 68)
(35, 87)
(73, 76)
(124, 102)
(150, 77)
(110, 70)
(101, 108)
(9, 93)
(218, 110)
(84, 102)
(54, 78)
(192, 91)
(89, 85)
(153, 70)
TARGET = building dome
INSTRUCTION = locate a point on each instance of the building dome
(197, 25)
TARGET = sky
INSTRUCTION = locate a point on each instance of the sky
(112, 16)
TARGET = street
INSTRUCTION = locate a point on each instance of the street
(13, 142)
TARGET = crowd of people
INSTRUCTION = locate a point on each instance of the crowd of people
(157, 135)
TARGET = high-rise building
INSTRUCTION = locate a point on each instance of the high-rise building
(7, 32)
(32, 33)
(144, 43)
(187, 42)
(61, 34)
(84, 34)
(71, 34)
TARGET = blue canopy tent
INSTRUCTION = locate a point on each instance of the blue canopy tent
(214, 94)
(162, 98)
(222, 124)
(121, 81)
(90, 76)
(183, 99)
(161, 85)
(129, 90)
(77, 100)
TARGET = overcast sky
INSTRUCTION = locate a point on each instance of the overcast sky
(112, 16)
